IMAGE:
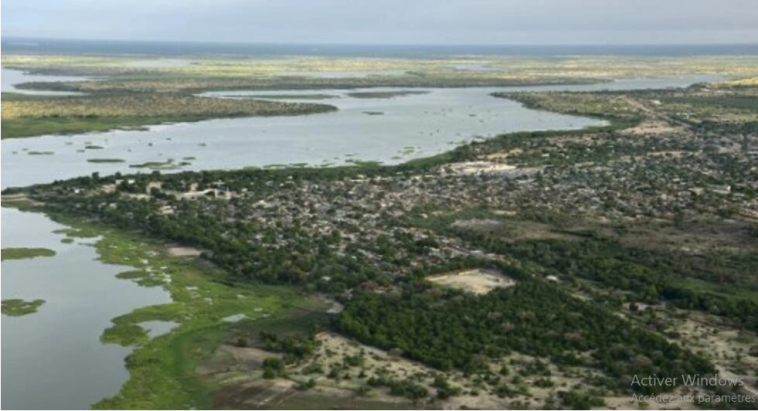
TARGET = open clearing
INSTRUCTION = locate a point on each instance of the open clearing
(476, 281)
(183, 251)
(480, 167)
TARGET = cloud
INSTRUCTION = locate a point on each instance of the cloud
(390, 21)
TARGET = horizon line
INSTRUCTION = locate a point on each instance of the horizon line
(252, 43)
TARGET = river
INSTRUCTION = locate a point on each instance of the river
(53, 358)
(11, 78)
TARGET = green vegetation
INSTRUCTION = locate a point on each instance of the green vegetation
(24, 118)
(616, 239)
(18, 308)
(143, 278)
(404, 388)
(157, 165)
(542, 322)
(698, 104)
(29, 127)
(576, 103)
(80, 231)
(105, 160)
(202, 296)
(25, 253)
(260, 72)
(134, 96)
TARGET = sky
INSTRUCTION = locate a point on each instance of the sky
(448, 22)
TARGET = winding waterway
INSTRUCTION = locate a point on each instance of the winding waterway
(53, 358)
(11, 78)
(387, 130)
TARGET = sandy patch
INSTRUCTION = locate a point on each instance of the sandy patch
(728, 348)
(334, 347)
(628, 403)
(21, 197)
(480, 167)
(477, 224)
(475, 281)
(108, 188)
(183, 251)
(239, 375)
(654, 127)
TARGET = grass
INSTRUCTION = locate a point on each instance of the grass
(102, 112)
(142, 278)
(106, 111)
(29, 127)
(136, 97)
(239, 67)
(577, 103)
(18, 308)
(294, 323)
(158, 165)
(732, 292)
(105, 160)
(78, 232)
(202, 296)
(304, 401)
(25, 253)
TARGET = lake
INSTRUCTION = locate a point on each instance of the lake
(367, 129)
(11, 78)
(53, 358)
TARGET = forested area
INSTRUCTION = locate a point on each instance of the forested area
(25, 116)
(532, 318)
(651, 276)
(611, 254)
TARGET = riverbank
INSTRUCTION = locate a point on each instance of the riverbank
(203, 296)
(206, 299)
(28, 116)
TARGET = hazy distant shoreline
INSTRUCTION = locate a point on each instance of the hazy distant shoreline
(18, 45)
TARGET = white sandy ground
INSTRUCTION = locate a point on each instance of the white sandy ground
(476, 281)
(183, 251)
(480, 167)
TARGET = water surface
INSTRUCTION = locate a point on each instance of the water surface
(11, 78)
(387, 130)
(53, 359)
